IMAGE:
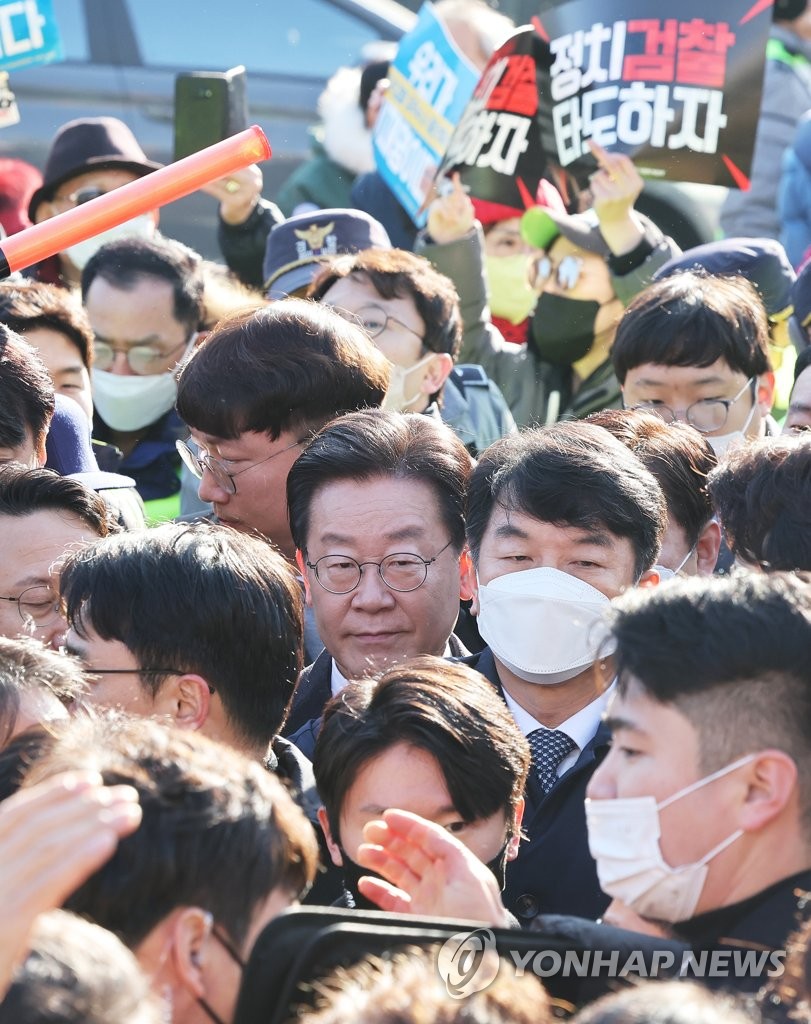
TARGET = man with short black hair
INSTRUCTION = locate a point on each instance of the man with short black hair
(710, 720)
(427, 736)
(413, 314)
(53, 322)
(561, 520)
(194, 622)
(28, 402)
(255, 391)
(377, 503)
(694, 347)
(681, 460)
(762, 492)
(220, 851)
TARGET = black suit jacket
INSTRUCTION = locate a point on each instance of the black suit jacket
(314, 689)
(554, 872)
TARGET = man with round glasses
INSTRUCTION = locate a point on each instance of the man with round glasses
(376, 505)
(693, 347)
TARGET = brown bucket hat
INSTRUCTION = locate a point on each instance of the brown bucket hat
(84, 145)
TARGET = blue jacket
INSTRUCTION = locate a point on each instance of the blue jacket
(794, 197)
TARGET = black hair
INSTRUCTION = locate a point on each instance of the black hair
(372, 444)
(397, 274)
(30, 305)
(24, 491)
(27, 391)
(570, 474)
(293, 366)
(762, 493)
(127, 261)
(693, 319)
(445, 709)
(676, 454)
(197, 598)
(731, 654)
(218, 831)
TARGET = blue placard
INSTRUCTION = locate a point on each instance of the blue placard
(431, 83)
(28, 34)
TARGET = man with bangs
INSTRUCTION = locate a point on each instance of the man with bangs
(560, 520)
(255, 391)
(694, 348)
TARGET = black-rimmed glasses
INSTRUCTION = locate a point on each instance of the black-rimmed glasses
(402, 571)
(136, 671)
(706, 415)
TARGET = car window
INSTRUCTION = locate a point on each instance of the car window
(72, 29)
(311, 37)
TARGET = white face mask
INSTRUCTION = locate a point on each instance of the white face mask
(624, 841)
(133, 402)
(668, 574)
(395, 400)
(139, 227)
(721, 443)
(544, 625)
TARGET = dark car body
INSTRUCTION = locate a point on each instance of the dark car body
(122, 56)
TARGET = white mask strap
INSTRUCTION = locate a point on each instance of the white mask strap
(706, 781)
(721, 846)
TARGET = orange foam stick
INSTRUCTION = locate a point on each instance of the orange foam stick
(148, 193)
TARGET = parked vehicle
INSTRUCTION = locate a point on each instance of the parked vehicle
(121, 58)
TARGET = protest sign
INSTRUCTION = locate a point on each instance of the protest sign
(677, 90)
(679, 93)
(431, 82)
(28, 34)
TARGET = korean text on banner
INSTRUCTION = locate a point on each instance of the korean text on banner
(431, 82)
(28, 34)
(677, 90)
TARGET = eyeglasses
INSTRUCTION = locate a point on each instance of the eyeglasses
(38, 605)
(706, 415)
(374, 320)
(567, 272)
(197, 464)
(143, 359)
(133, 671)
(81, 195)
(402, 571)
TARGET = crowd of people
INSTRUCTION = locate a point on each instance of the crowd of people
(439, 599)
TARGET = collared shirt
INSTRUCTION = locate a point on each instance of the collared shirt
(580, 728)
(338, 680)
